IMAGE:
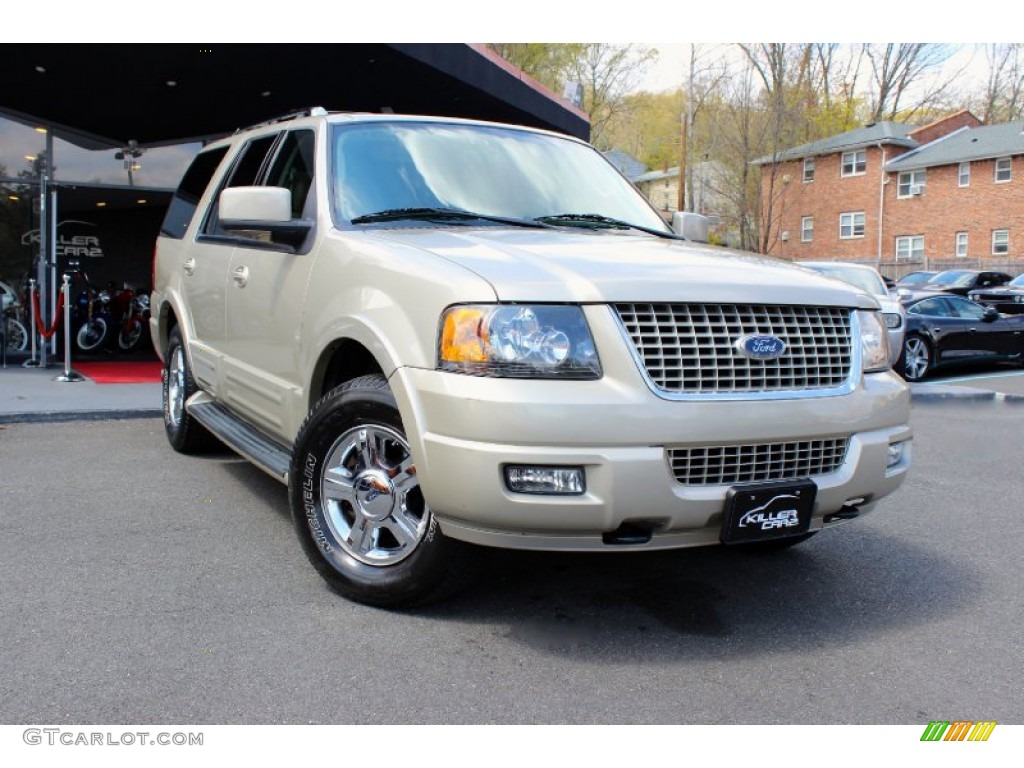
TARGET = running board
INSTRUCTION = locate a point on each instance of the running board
(243, 438)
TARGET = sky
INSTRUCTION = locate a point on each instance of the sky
(668, 72)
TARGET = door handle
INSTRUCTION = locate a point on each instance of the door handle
(240, 276)
(189, 266)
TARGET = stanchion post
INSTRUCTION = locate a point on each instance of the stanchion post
(32, 362)
(68, 375)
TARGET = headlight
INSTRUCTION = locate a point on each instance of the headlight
(892, 319)
(519, 341)
(874, 341)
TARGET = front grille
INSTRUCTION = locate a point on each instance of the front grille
(689, 348)
(732, 464)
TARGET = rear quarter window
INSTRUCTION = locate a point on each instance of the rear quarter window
(190, 192)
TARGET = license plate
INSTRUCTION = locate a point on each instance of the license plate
(767, 511)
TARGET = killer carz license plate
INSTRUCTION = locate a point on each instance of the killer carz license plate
(767, 511)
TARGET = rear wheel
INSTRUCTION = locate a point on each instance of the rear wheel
(917, 357)
(358, 507)
(184, 433)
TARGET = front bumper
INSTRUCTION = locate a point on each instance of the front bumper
(464, 430)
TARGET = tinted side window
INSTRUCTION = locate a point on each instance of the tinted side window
(293, 168)
(931, 307)
(190, 192)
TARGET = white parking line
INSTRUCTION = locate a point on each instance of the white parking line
(976, 377)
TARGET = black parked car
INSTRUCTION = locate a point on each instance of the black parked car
(1008, 299)
(963, 281)
(945, 330)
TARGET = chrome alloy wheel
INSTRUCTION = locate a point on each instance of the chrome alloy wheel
(371, 496)
(918, 358)
(176, 386)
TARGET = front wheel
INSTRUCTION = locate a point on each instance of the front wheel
(357, 504)
(917, 358)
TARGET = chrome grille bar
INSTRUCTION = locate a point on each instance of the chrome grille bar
(690, 348)
(732, 464)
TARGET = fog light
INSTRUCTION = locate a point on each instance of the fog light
(563, 481)
(895, 454)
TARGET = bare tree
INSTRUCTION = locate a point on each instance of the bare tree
(1004, 91)
(608, 73)
(704, 77)
(897, 68)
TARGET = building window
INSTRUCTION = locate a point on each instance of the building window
(851, 225)
(1004, 170)
(1000, 242)
(963, 178)
(910, 248)
(911, 183)
(808, 169)
(855, 163)
(961, 245)
(806, 229)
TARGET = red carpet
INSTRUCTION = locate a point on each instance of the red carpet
(136, 372)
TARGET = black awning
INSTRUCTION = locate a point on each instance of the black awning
(103, 95)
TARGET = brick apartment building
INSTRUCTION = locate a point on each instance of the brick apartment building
(894, 194)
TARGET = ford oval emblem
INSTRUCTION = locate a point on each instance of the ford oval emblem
(761, 347)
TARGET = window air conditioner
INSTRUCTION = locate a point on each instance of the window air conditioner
(917, 189)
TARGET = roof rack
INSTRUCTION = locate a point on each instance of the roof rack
(307, 112)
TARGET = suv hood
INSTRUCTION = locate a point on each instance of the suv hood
(599, 266)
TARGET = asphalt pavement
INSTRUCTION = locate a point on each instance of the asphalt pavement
(143, 586)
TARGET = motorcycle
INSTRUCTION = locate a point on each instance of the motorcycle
(132, 307)
(91, 318)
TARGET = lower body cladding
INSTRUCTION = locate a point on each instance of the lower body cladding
(670, 490)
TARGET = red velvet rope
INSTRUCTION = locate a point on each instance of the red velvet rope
(47, 331)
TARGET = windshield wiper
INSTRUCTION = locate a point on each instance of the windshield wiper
(442, 214)
(597, 221)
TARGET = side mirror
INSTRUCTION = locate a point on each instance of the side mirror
(991, 313)
(262, 209)
(692, 226)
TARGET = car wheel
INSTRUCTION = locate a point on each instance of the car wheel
(358, 507)
(185, 434)
(917, 358)
(92, 334)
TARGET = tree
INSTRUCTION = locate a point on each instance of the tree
(1003, 100)
(897, 68)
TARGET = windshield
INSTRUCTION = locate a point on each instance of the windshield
(952, 278)
(865, 279)
(495, 171)
(1017, 282)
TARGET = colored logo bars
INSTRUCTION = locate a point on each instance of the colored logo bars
(958, 730)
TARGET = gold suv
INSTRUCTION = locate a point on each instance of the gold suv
(446, 334)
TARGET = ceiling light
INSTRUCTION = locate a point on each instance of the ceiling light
(265, 94)
(40, 130)
(101, 205)
(141, 202)
(171, 83)
(30, 158)
(40, 69)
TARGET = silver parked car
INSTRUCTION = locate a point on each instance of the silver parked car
(868, 279)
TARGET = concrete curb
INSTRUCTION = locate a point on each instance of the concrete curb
(940, 392)
(103, 415)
